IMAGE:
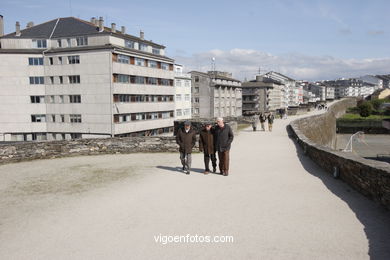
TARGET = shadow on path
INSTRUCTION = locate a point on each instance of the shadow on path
(179, 170)
(374, 217)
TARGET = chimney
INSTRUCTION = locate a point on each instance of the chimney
(101, 24)
(259, 78)
(93, 20)
(30, 24)
(113, 27)
(1, 26)
(123, 29)
(141, 34)
(17, 27)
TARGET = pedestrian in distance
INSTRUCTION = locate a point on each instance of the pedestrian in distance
(262, 118)
(207, 146)
(186, 139)
(223, 139)
(270, 121)
(255, 122)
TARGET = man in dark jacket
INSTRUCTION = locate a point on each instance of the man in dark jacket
(206, 145)
(186, 139)
(223, 138)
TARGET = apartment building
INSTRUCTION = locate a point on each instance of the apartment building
(182, 93)
(69, 78)
(261, 95)
(290, 92)
(215, 94)
(351, 87)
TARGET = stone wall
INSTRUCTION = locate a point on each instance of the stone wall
(368, 126)
(371, 178)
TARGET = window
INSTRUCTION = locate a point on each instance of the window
(82, 41)
(75, 136)
(61, 99)
(75, 98)
(74, 79)
(51, 61)
(74, 59)
(51, 99)
(186, 83)
(35, 61)
(59, 60)
(178, 97)
(143, 47)
(123, 78)
(178, 83)
(51, 80)
(196, 100)
(196, 90)
(37, 99)
(62, 119)
(165, 82)
(152, 64)
(53, 118)
(156, 51)
(152, 81)
(196, 79)
(139, 62)
(75, 118)
(196, 111)
(164, 66)
(36, 80)
(187, 97)
(139, 80)
(38, 118)
(129, 44)
(69, 42)
(61, 79)
(59, 44)
(186, 112)
(124, 59)
(39, 44)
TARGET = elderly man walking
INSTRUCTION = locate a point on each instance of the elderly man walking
(186, 139)
(223, 139)
(206, 145)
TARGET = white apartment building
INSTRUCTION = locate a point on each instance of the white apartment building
(69, 78)
(292, 94)
(182, 93)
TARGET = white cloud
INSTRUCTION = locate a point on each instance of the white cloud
(245, 63)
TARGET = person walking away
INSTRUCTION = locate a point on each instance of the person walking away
(270, 121)
(262, 121)
(206, 145)
(223, 139)
(186, 139)
(255, 122)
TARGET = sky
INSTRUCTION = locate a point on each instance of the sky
(303, 39)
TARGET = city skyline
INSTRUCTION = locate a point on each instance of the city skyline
(308, 40)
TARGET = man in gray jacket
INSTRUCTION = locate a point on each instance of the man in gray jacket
(223, 138)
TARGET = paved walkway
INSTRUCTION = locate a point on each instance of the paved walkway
(276, 204)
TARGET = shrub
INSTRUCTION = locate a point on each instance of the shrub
(365, 109)
(387, 112)
(376, 103)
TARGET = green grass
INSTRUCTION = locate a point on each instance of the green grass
(358, 117)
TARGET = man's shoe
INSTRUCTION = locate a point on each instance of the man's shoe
(187, 172)
(226, 173)
(206, 172)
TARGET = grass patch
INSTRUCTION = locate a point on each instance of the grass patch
(358, 117)
(242, 126)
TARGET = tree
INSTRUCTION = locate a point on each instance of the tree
(365, 109)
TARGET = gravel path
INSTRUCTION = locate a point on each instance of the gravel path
(276, 204)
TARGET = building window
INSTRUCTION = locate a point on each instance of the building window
(82, 41)
(69, 42)
(59, 60)
(74, 79)
(187, 83)
(164, 66)
(51, 62)
(123, 78)
(61, 79)
(38, 118)
(178, 112)
(196, 90)
(196, 100)
(59, 44)
(37, 99)
(196, 79)
(61, 99)
(35, 61)
(152, 64)
(51, 99)
(53, 118)
(143, 47)
(178, 97)
(51, 80)
(156, 51)
(36, 80)
(75, 136)
(129, 44)
(186, 111)
(187, 97)
(139, 80)
(196, 111)
(178, 83)
(39, 43)
(165, 82)
(152, 81)
(75, 98)
(139, 62)
(75, 118)
(124, 59)
(62, 119)
(74, 59)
